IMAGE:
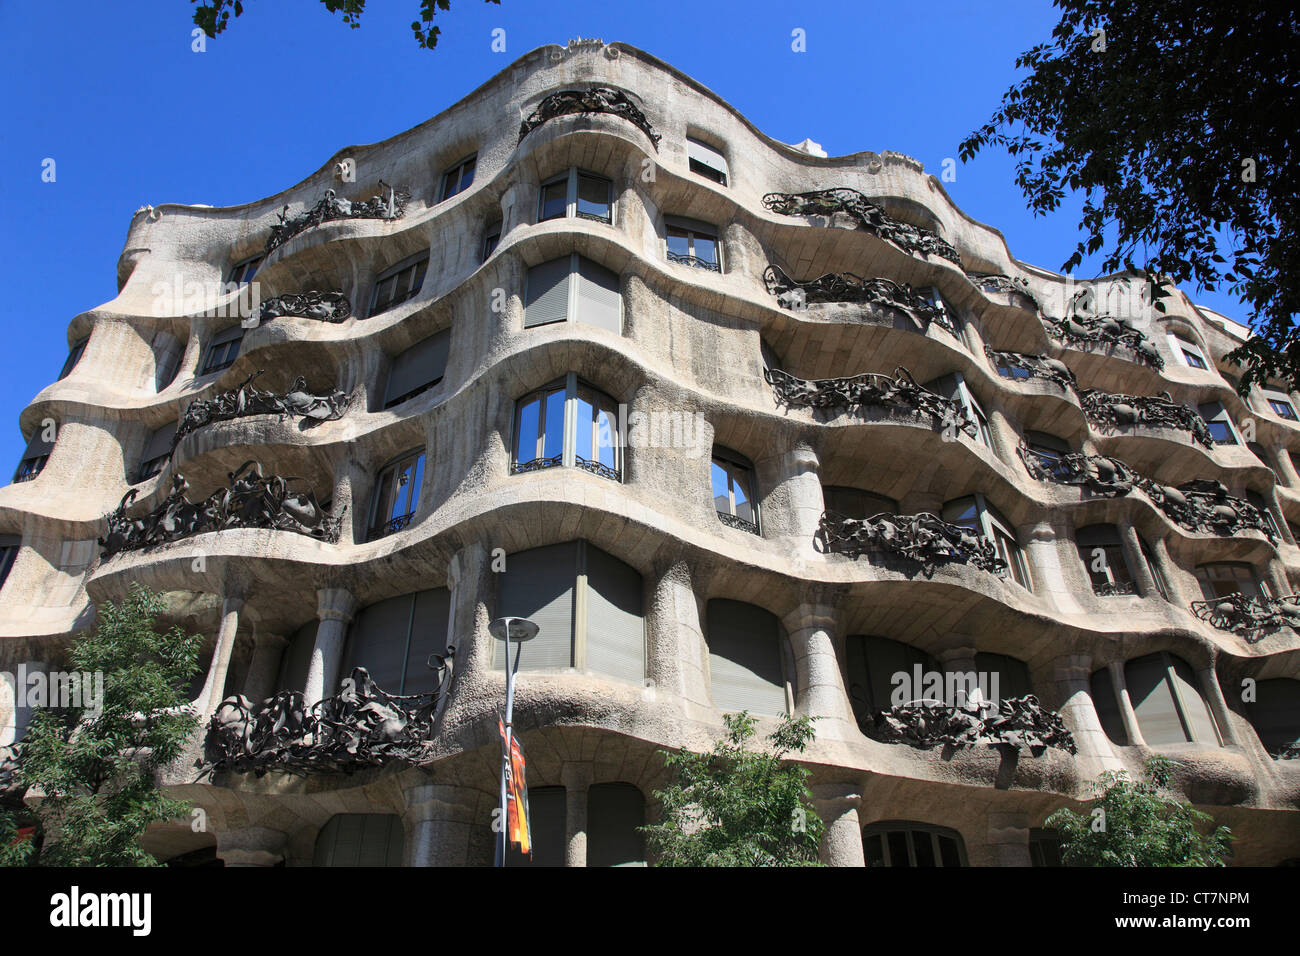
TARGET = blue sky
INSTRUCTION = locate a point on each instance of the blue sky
(131, 115)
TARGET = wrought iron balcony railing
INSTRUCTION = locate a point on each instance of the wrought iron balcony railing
(1114, 410)
(922, 539)
(391, 526)
(869, 217)
(556, 461)
(847, 287)
(870, 389)
(1089, 331)
(1100, 474)
(1017, 722)
(1115, 588)
(997, 282)
(694, 262)
(602, 99)
(1250, 617)
(1033, 366)
(737, 522)
(246, 400)
(321, 306)
(329, 208)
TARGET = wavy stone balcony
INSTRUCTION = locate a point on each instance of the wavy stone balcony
(602, 99)
(1089, 333)
(330, 208)
(845, 287)
(870, 389)
(1121, 411)
(924, 541)
(826, 204)
(1249, 617)
(1016, 722)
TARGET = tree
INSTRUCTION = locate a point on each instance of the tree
(96, 772)
(213, 16)
(1171, 117)
(737, 807)
(1136, 824)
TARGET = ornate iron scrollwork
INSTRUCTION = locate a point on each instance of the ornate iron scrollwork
(870, 218)
(245, 400)
(695, 262)
(1036, 366)
(870, 389)
(924, 539)
(1090, 330)
(1248, 616)
(737, 522)
(252, 500)
(1115, 588)
(997, 282)
(322, 306)
(329, 208)
(1102, 475)
(1204, 504)
(1017, 721)
(362, 726)
(556, 461)
(1161, 411)
(602, 99)
(847, 287)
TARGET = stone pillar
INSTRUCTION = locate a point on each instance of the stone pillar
(675, 646)
(1120, 686)
(1213, 694)
(1005, 437)
(1072, 675)
(264, 667)
(1285, 466)
(1275, 571)
(334, 609)
(472, 584)
(1043, 556)
(837, 804)
(577, 782)
(1137, 561)
(351, 497)
(439, 824)
(958, 657)
(214, 687)
(1008, 837)
(800, 481)
(1175, 577)
(819, 685)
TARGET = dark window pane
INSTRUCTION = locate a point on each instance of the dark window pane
(554, 200)
(898, 855)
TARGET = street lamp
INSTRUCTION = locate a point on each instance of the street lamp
(511, 630)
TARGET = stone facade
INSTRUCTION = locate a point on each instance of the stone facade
(701, 578)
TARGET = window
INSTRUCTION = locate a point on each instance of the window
(1220, 425)
(457, 179)
(9, 545)
(733, 490)
(1255, 499)
(954, 386)
(241, 273)
(1106, 702)
(693, 244)
(74, 356)
(1280, 403)
(855, 503)
(1187, 352)
(156, 451)
(588, 608)
(568, 424)
(936, 299)
(360, 839)
(491, 239)
(746, 666)
(903, 843)
(296, 658)
(223, 350)
(1050, 452)
(1168, 706)
(398, 641)
(1102, 552)
(1012, 674)
(974, 512)
(704, 160)
(573, 288)
(872, 663)
(547, 825)
(577, 194)
(1044, 848)
(398, 284)
(34, 457)
(1275, 714)
(397, 495)
(1228, 577)
(418, 369)
(615, 811)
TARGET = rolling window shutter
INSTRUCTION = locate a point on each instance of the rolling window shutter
(429, 636)
(1153, 701)
(360, 839)
(159, 443)
(614, 811)
(297, 659)
(615, 625)
(1195, 709)
(538, 585)
(744, 659)
(547, 299)
(423, 363)
(703, 153)
(1275, 714)
(377, 641)
(226, 335)
(546, 808)
(1013, 674)
(599, 301)
(1107, 706)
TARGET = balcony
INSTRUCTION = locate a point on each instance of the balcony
(847, 287)
(870, 389)
(330, 208)
(867, 215)
(1112, 410)
(599, 100)
(1249, 617)
(923, 540)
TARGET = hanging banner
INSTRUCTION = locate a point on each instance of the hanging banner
(518, 822)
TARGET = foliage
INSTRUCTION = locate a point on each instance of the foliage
(1141, 825)
(213, 16)
(1173, 123)
(738, 807)
(94, 775)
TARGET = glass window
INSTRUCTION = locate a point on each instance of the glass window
(546, 811)
(746, 670)
(856, 503)
(1281, 405)
(1220, 425)
(398, 284)
(953, 386)
(457, 179)
(400, 641)
(397, 495)
(242, 272)
(360, 839)
(9, 546)
(595, 444)
(975, 512)
(1102, 552)
(224, 350)
(693, 244)
(705, 160)
(576, 194)
(1050, 452)
(900, 843)
(1167, 702)
(491, 239)
(74, 356)
(871, 664)
(594, 198)
(1188, 352)
(615, 814)
(733, 490)
(157, 450)
(1228, 577)
(1044, 848)
(555, 199)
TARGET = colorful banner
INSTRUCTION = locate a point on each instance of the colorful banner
(518, 821)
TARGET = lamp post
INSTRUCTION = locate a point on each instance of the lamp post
(511, 630)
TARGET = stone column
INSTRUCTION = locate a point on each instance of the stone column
(1005, 437)
(1285, 466)
(1120, 686)
(214, 687)
(1072, 675)
(958, 657)
(577, 782)
(675, 648)
(1008, 837)
(1213, 693)
(472, 584)
(351, 499)
(334, 609)
(1043, 556)
(837, 804)
(1137, 561)
(819, 685)
(264, 666)
(439, 824)
(799, 480)
(1275, 571)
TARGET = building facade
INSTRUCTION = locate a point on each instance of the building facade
(738, 425)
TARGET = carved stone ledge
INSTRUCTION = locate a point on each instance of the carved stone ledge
(847, 287)
(1161, 411)
(1035, 366)
(251, 500)
(870, 389)
(923, 539)
(1249, 617)
(360, 727)
(245, 400)
(329, 208)
(602, 99)
(1018, 722)
(869, 217)
(321, 306)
